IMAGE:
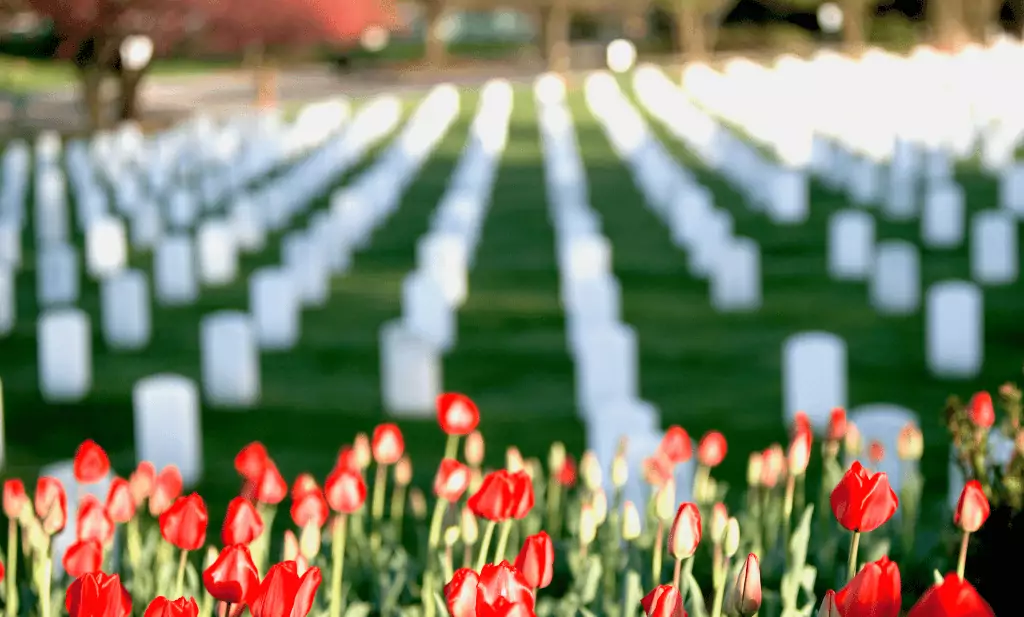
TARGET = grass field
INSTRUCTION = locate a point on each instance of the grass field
(702, 369)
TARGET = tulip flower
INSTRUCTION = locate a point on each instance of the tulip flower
(910, 444)
(676, 445)
(972, 510)
(97, 595)
(953, 597)
(683, 537)
(828, 605)
(304, 483)
(15, 498)
(142, 481)
(862, 502)
(657, 469)
(876, 452)
(980, 410)
(184, 526)
(495, 588)
(232, 577)
(837, 425)
(91, 463)
(799, 455)
(745, 597)
(536, 560)
(284, 592)
(120, 503)
(875, 591)
(493, 500)
(522, 495)
(51, 504)
(458, 415)
(388, 444)
(663, 601)
(270, 487)
(566, 476)
(250, 461)
(631, 525)
(345, 491)
(162, 607)
(310, 509)
(801, 423)
(712, 449)
(15, 502)
(166, 488)
(242, 523)
(474, 449)
(83, 557)
(94, 522)
(451, 481)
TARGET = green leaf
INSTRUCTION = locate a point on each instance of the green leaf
(695, 598)
(808, 577)
(591, 581)
(362, 609)
(801, 539)
(192, 580)
(634, 592)
(585, 612)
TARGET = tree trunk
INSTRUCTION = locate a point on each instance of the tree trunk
(979, 17)
(854, 18)
(436, 49)
(556, 36)
(691, 31)
(946, 18)
(92, 96)
(129, 94)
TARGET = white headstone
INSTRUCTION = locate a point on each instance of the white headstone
(425, 311)
(275, 308)
(942, 221)
(883, 422)
(308, 266)
(126, 311)
(814, 376)
(606, 367)
(851, 245)
(954, 347)
(1011, 189)
(217, 254)
(864, 180)
(106, 247)
(167, 427)
(182, 210)
(715, 235)
(147, 226)
(174, 272)
(736, 278)
(443, 256)
(65, 355)
(900, 202)
(789, 198)
(10, 243)
(230, 360)
(896, 282)
(57, 277)
(410, 372)
(995, 257)
(248, 227)
(8, 306)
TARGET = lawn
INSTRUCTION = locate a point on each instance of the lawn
(703, 370)
(30, 75)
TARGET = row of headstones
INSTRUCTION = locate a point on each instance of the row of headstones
(411, 348)
(732, 264)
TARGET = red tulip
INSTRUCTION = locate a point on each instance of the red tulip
(800, 451)
(250, 461)
(270, 486)
(522, 495)
(746, 593)
(503, 581)
(460, 593)
(120, 504)
(93, 521)
(972, 509)
(874, 592)
(685, 533)
(876, 452)
(773, 465)
(232, 577)
(676, 445)
(954, 597)
(141, 482)
(166, 488)
(304, 483)
(837, 424)
(345, 490)
(494, 499)
(284, 592)
(536, 560)
(451, 481)
(162, 607)
(657, 469)
(15, 498)
(310, 509)
(801, 422)
(388, 444)
(51, 504)
(566, 476)
(457, 414)
(663, 601)
(980, 411)
(242, 523)
(83, 557)
(184, 524)
(828, 605)
(348, 459)
(91, 463)
(97, 595)
(711, 449)
(863, 501)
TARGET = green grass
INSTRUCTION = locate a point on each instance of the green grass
(702, 369)
(29, 75)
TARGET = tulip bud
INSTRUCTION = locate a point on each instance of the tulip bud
(417, 503)
(828, 605)
(800, 452)
(685, 533)
(363, 452)
(290, 552)
(588, 524)
(774, 466)
(556, 458)
(590, 471)
(600, 502)
(980, 411)
(474, 449)
(631, 528)
(852, 440)
(755, 469)
(719, 520)
(513, 459)
(403, 471)
(451, 536)
(745, 598)
(837, 424)
(910, 445)
(972, 509)
(309, 542)
(876, 452)
(731, 540)
(620, 471)
(665, 501)
(470, 528)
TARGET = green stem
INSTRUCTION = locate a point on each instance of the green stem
(554, 507)
(451, 447)
(677, 575)
(47, 577)
(683, 585)
(700, 482)
(429, 607)
(398, 511)
(852, 564)
(485, 543)
(377, 507)
(179, 586)
(787, 514)
(961, 562)
(721, 579)
(12, 563)
(436, 520)
(338, 557)
(506, 531)
(659, 539)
